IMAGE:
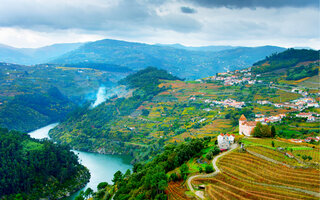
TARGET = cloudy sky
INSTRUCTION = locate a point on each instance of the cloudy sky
(35, 23)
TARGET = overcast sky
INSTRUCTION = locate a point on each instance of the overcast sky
(35, 23)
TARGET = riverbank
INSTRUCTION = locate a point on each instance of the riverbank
(101, 166)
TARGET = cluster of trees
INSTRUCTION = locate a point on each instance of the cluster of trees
(39, 109)
(149, 180)
(264, 131)
(286, 59)
(302, 72)
(234, 115)
(33, 169)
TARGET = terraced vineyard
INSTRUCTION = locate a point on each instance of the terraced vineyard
(273, 154)
(314, 153)
(245, 176)
(175, 191)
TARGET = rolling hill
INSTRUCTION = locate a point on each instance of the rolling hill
(185, 63)
(31, 56)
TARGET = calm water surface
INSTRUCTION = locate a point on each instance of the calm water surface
(101, 167)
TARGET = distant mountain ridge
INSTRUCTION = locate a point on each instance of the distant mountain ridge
(212, 48)
(183, 61)
(190, 64)
(31, 56)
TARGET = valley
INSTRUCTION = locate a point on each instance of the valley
(160, 100)
(156, 119)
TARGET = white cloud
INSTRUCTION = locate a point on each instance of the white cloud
(33, 23)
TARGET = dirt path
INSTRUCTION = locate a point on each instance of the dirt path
(200, 194)
(268, 159)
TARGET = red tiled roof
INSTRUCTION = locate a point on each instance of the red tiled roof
(251, 123)
(242, 118)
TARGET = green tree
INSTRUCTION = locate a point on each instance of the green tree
(261, 130)
(173, 177)
(273, 131)
(184, 170)
(88, 193)
(209, 169)
(209, 155)
(200, 169)
(102, 185)
(117, 177)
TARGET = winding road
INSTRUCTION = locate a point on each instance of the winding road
(200, 194)
(217, 170)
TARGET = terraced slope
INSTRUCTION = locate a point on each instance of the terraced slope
(245, 176)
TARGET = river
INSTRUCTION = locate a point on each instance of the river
(101, 167)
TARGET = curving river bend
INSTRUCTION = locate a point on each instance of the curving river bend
(101, 167)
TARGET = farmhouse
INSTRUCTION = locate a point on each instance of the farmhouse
(224, 141)
(246, 127)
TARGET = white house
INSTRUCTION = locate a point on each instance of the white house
(225, 141)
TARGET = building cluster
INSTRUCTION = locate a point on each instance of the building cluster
(311, 117)
(299, 91)
(235, 77)
(270, 119)
(226, 103)
(232, 80)
(298, 104)
(225, 141)
(308, 139)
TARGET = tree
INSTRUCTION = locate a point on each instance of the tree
(88, 193)
(200, 169)
(209, 169)
(304, 157)
(184, 169)
(261, 130)
(272, 143)
(273, 131)
(80, 196)
(117, 177)
(257, 130)
(127, 174)
(173, 177)
(102, 185)
(209, 155)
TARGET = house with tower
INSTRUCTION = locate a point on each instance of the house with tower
(245, 126)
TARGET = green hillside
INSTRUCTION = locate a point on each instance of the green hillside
(34, 96)
(33, 169)
(286, 59)
(185, 63)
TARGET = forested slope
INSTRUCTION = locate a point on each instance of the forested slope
(33, 169)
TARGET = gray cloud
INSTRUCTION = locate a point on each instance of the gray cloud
(256, 3)
(187, 10)
(162, 21)
(125, 15)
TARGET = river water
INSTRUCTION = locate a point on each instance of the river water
(101, 167)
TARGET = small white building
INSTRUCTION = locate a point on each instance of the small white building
(225, 141)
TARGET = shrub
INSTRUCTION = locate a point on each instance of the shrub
(209, 169)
